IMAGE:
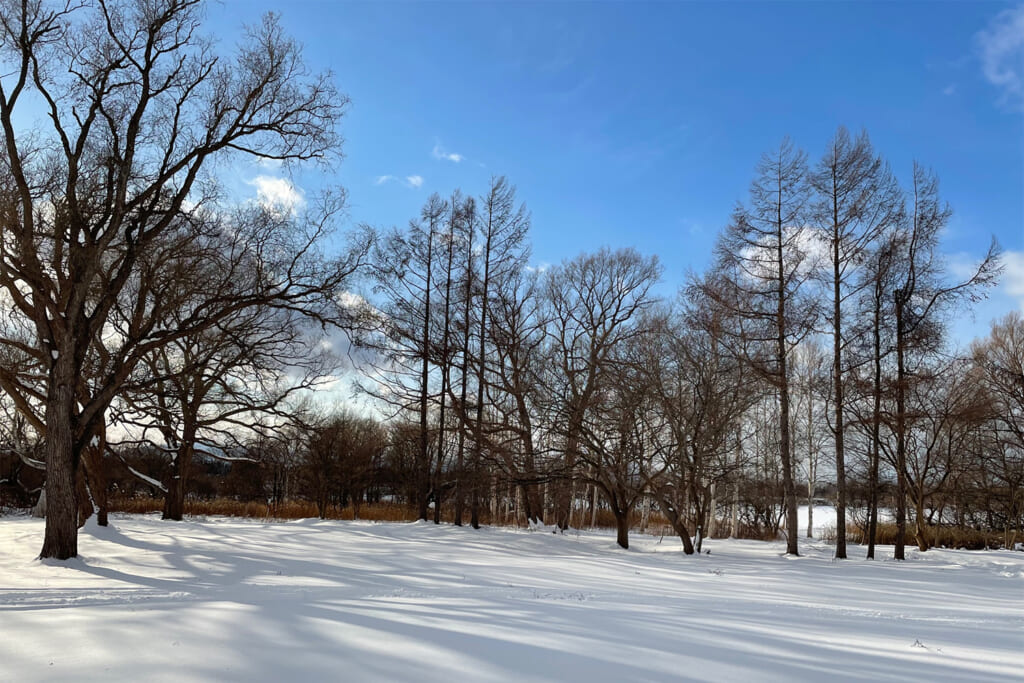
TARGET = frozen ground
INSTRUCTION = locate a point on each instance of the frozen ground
(237, 600)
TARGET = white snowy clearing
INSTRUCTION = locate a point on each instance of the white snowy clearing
(237, 600)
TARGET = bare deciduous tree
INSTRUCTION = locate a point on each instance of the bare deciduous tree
(138, 110)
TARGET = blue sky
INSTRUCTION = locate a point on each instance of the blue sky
(634, 124)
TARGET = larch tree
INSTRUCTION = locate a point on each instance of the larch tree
(762, 266)
(400, 330)
(502, 228)
(856, 198)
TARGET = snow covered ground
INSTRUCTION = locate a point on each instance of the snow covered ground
(238, 600)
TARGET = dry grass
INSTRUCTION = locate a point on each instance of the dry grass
(941, 537)
(293, 509)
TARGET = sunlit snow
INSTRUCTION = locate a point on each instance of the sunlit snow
(224, 599)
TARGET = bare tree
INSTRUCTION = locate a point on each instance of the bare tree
(856, 199)
(400, 332)
(139, 109)
(920, 297)
(999, 364)
(761, 268)
(518, 322)
(503, 227)
(597, 302)
(701, 392)
(220, 388)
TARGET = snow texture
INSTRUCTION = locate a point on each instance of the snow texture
(242, 600)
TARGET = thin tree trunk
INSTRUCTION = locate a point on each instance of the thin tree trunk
(424, 464)
(811, 461)
(785, 446)
(837, 360)
(95, 465)
(901, 438)
(876, 434)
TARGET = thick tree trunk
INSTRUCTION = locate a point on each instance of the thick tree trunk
(621, 527)
(531, 503)
(60, 540)
(177, 485)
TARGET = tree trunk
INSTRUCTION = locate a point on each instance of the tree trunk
(460, 473)
(876, 426)
(60, 540)
(668, 509)
(85, 505)
(621, 527)
(901, 436)
(39, 509)
(95, 465)
(785, 446)
(424, 453)
(921, 526)
(810, 517)
(837, 359)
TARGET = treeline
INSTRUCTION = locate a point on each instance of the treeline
(814, 349)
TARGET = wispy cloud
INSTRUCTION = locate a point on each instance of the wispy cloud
(540, 268)
(277, 194)
(409, 180)
(441, 153)
(1001, 48)
(949, 90)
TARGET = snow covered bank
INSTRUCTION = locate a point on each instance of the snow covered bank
(228, 599)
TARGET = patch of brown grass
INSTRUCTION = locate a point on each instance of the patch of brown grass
(292, 509)
(941, 537)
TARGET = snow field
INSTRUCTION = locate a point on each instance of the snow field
(240, 600)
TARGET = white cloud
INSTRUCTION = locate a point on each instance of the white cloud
(441, 153)
(1001, 47)
(412, 181)
(277, 194)
(949, 89)
(1013, 275)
